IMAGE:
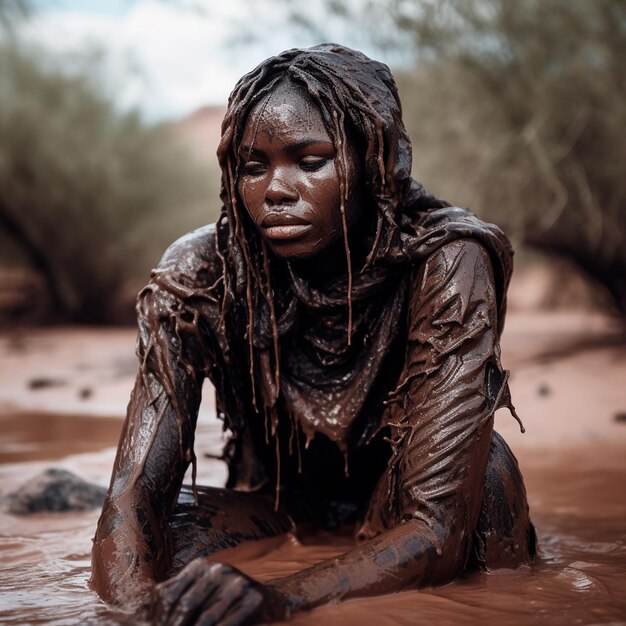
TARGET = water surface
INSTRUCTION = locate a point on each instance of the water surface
(577, 498)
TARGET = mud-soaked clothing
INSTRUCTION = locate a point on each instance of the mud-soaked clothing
(394, 426)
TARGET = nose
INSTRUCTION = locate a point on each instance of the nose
(280, 190)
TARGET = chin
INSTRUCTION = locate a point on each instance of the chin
(293, 256)
(296, 251)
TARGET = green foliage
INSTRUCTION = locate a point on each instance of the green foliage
(517, 108)
(90, 195)
(521, 110)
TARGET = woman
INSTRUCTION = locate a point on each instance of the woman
(350, 323)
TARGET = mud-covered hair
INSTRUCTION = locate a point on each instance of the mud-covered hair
(358, 101)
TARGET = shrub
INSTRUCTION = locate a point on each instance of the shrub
(89, 194)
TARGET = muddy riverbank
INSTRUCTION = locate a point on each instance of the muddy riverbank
(63, 393)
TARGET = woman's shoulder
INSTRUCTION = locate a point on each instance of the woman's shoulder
(462, 252)
(453, 251)
(194, 257)
(441, 226)
(455, 286)
(454, 261)
(189, 273)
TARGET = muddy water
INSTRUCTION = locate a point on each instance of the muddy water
(577, 496)
(37, 436)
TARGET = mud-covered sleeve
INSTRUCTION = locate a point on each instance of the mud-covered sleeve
(424, 510)
(156, 444)
(442, 411)
(174, 357)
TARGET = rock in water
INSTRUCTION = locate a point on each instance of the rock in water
(54, 491)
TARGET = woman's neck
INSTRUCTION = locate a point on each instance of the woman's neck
(332, 265)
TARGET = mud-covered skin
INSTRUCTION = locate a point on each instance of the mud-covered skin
(206, 593)
(289, 185)
(362, 396)
(422, 515)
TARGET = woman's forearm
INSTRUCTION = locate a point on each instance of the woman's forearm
(131, 548)
(406, 556)
(129, 551)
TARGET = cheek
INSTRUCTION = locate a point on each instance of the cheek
(249, 192)
(327, 198)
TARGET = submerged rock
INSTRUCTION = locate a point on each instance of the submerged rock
(54, 491)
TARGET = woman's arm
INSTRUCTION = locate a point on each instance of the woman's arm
(131, 545)
(441, 416)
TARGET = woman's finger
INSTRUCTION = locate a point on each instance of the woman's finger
(231, 609)
(167, 595)
(206, 588)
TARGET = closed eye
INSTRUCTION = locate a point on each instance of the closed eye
(254, 168)
(313, 163)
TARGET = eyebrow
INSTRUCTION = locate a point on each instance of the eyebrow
(294, 147)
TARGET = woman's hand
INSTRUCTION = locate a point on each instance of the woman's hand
(205, 593)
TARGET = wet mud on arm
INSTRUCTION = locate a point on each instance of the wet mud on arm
(131, 547)
(424, 511)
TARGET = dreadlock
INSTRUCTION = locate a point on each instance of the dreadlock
(356, 96)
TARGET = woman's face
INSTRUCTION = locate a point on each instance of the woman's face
(288, 178)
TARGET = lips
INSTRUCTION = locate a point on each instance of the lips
(281, 226)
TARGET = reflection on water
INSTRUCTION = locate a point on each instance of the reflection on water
(34, 436)
(578, 504)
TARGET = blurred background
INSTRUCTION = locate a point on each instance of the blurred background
(110, 114)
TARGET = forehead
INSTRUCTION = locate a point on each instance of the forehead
(287, 115)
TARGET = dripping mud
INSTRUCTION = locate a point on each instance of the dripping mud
(573, 463)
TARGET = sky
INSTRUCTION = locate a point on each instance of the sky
(170, 57)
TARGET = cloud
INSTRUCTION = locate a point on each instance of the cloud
(166, 60)
(169, 60)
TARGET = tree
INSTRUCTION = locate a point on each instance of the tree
(89, 194)
(518, 107)
(529, 100)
